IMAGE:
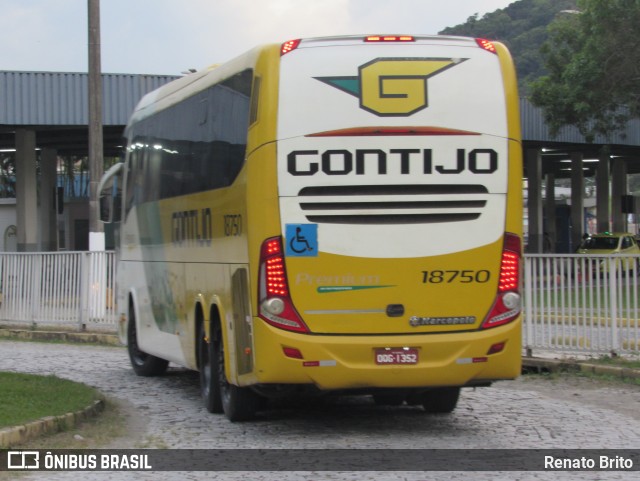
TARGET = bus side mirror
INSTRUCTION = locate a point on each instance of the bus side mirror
(110, 192)
(110, 206)
(116, 214)
(105, 208)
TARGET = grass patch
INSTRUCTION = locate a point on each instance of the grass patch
(564, 376)
(27, 397)
(569, 370)
(616, 361)
(108, 430)
(610, 378)
(95, 432)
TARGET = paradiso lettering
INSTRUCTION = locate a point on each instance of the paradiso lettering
(410, 161)
(192, 226)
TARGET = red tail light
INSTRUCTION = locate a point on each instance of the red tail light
(507, 305)
(276, 278)
(274, 303)
(510, 265)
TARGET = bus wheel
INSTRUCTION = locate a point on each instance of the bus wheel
(143, 364)
(209, 387)
(238, 404)
(442, 400)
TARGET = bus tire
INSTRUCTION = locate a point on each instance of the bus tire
(209, 385)
(441, 401)
(238, 404)
(143, 364)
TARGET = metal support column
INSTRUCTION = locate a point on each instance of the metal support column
(603, 213)
(533, 158)
(549, 241)
(618, 189)
(48, 178)
(577, 199)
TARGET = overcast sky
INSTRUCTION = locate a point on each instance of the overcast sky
(170, 36)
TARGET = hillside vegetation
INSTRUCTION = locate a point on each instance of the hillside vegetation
(522, 26)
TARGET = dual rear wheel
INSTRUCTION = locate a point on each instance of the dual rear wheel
(238, 404)
(219, 396)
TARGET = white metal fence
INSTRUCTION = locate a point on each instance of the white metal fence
(571, 303)
(60, 288)
(581, 304)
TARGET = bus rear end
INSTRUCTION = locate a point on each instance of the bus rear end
(399, 182)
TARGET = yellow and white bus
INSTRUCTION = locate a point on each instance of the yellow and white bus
(328, 215)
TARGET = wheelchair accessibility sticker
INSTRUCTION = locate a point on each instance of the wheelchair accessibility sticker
(302, 240)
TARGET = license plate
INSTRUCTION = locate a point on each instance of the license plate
(398, 355)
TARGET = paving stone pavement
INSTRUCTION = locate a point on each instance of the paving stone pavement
(170, 414)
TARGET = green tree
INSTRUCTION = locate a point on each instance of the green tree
(593, 63)
(522, 26)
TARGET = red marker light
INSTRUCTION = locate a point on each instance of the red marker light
(487, 45)
(496, 348)
(292, 352)
(389, 38)
(289, 46)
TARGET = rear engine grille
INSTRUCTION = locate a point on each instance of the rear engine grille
(392, 204)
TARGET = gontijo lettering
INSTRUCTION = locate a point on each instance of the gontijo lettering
(378, 161)
(191, 226)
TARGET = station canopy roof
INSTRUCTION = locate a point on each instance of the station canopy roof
(55, 106)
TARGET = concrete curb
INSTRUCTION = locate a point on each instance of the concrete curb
(16, 435)
(555, 365)
(64, 336)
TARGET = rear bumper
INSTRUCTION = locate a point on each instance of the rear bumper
(332, 362)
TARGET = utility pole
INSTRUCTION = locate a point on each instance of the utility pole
(96, 161)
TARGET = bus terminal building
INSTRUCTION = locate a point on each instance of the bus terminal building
(44, 117)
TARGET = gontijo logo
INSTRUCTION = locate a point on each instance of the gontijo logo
(393, 87)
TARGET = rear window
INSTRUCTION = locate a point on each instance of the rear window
(454, 86)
